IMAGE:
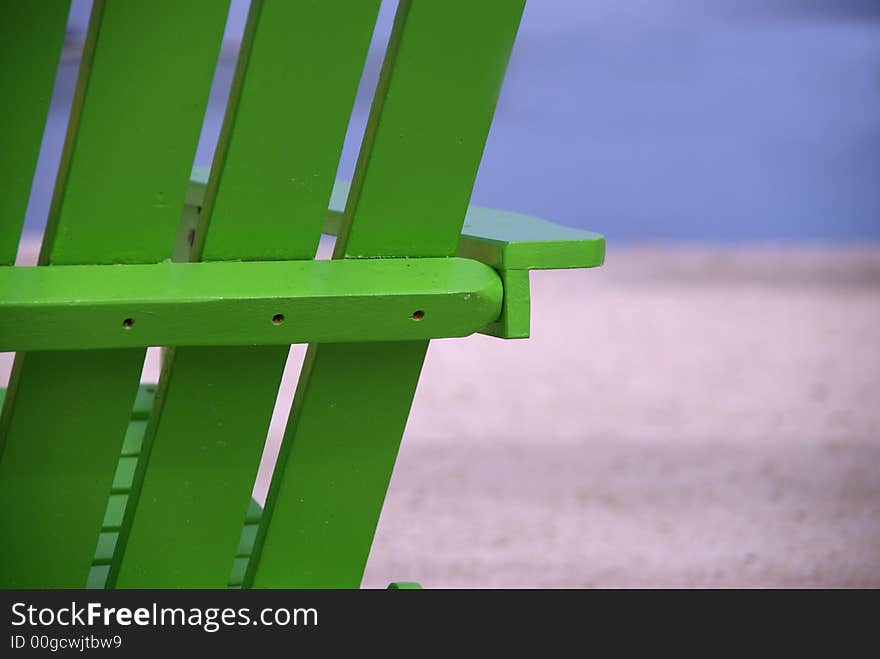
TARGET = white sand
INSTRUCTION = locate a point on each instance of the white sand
(680, 417)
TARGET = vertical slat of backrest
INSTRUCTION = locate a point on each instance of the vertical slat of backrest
(144, 83)
(266, 199)
(31, 37)
(424, 140)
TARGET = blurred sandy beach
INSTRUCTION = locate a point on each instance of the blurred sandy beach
(681, 417)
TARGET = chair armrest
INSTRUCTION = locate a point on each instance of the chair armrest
(511, 243)
(507, 241)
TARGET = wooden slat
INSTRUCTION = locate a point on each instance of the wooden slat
(137, 112)
(266, 199)
(501, 239)
(423, 144)
(235, 303)
(106, 545)
(31, 37)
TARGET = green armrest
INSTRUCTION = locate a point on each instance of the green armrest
(503, 240)
(511, 243)
(506, 241)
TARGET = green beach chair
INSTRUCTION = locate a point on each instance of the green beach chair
(105, 482)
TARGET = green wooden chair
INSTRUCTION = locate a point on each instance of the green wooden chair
(108, 483)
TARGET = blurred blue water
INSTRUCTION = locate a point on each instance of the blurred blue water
(687, 120)
(669, 120)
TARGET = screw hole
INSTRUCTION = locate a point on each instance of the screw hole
(128, 323)
(278, 318)
(418, 315)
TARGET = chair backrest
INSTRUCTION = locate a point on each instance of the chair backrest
(176, 512)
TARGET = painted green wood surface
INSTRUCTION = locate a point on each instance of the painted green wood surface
(512, 241)
(502, 239)
(137, 126)
(135, 122)
(122, 482)
(58, 462)
(423, 143)
(31, 37)
(107, 540)
(256, 303)
(280, 147)
(427, 134)
(192, 486)
(267, 195)
(515, 319)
